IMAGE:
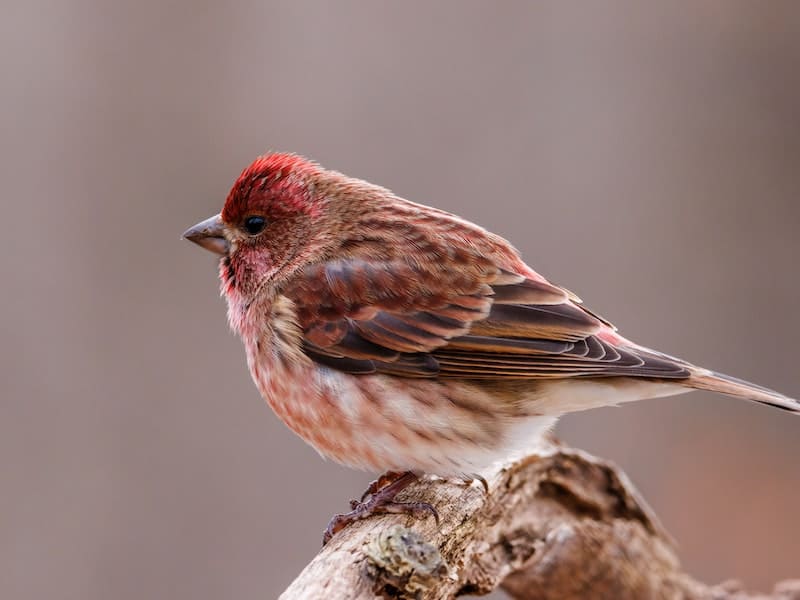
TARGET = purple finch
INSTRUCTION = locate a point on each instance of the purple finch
(394, 336)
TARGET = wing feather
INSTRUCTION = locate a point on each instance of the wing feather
(361, 316)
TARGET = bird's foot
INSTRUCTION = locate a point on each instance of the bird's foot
(379, 499)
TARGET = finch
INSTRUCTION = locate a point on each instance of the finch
(393, 336)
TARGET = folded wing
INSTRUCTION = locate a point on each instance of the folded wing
(484, 322)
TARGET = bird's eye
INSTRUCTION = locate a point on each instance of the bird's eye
(255, 225)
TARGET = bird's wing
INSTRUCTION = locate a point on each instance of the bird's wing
(363, 316)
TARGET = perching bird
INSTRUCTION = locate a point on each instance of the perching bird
(392, 336)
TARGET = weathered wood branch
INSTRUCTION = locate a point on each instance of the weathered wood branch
(562, 524)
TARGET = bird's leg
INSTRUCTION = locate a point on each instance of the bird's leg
(379, 483)
(380, 500)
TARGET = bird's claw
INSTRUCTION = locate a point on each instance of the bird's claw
(363, 510)
(471, 478)
(379, 499)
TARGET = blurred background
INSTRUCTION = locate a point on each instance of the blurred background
(647, 157)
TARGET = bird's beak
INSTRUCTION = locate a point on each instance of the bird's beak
(209, 234)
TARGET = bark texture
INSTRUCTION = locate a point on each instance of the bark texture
(559, 525)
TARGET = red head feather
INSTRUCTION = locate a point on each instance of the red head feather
(273, 185)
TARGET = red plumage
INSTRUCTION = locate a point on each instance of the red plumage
(392, 335)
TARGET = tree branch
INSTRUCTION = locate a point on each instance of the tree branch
(562, 524)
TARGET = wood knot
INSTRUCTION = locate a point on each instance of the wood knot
(403, 565)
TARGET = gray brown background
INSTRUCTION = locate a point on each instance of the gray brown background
(647, 157)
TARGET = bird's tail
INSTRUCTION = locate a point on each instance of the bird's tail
(703, 379)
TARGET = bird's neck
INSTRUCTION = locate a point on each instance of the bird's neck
(268, 327)
(275, 358)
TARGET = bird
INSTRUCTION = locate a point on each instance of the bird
(396, 337)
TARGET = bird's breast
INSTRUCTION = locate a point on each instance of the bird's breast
(381, 422)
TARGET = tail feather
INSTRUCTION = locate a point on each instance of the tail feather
(725, 384)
